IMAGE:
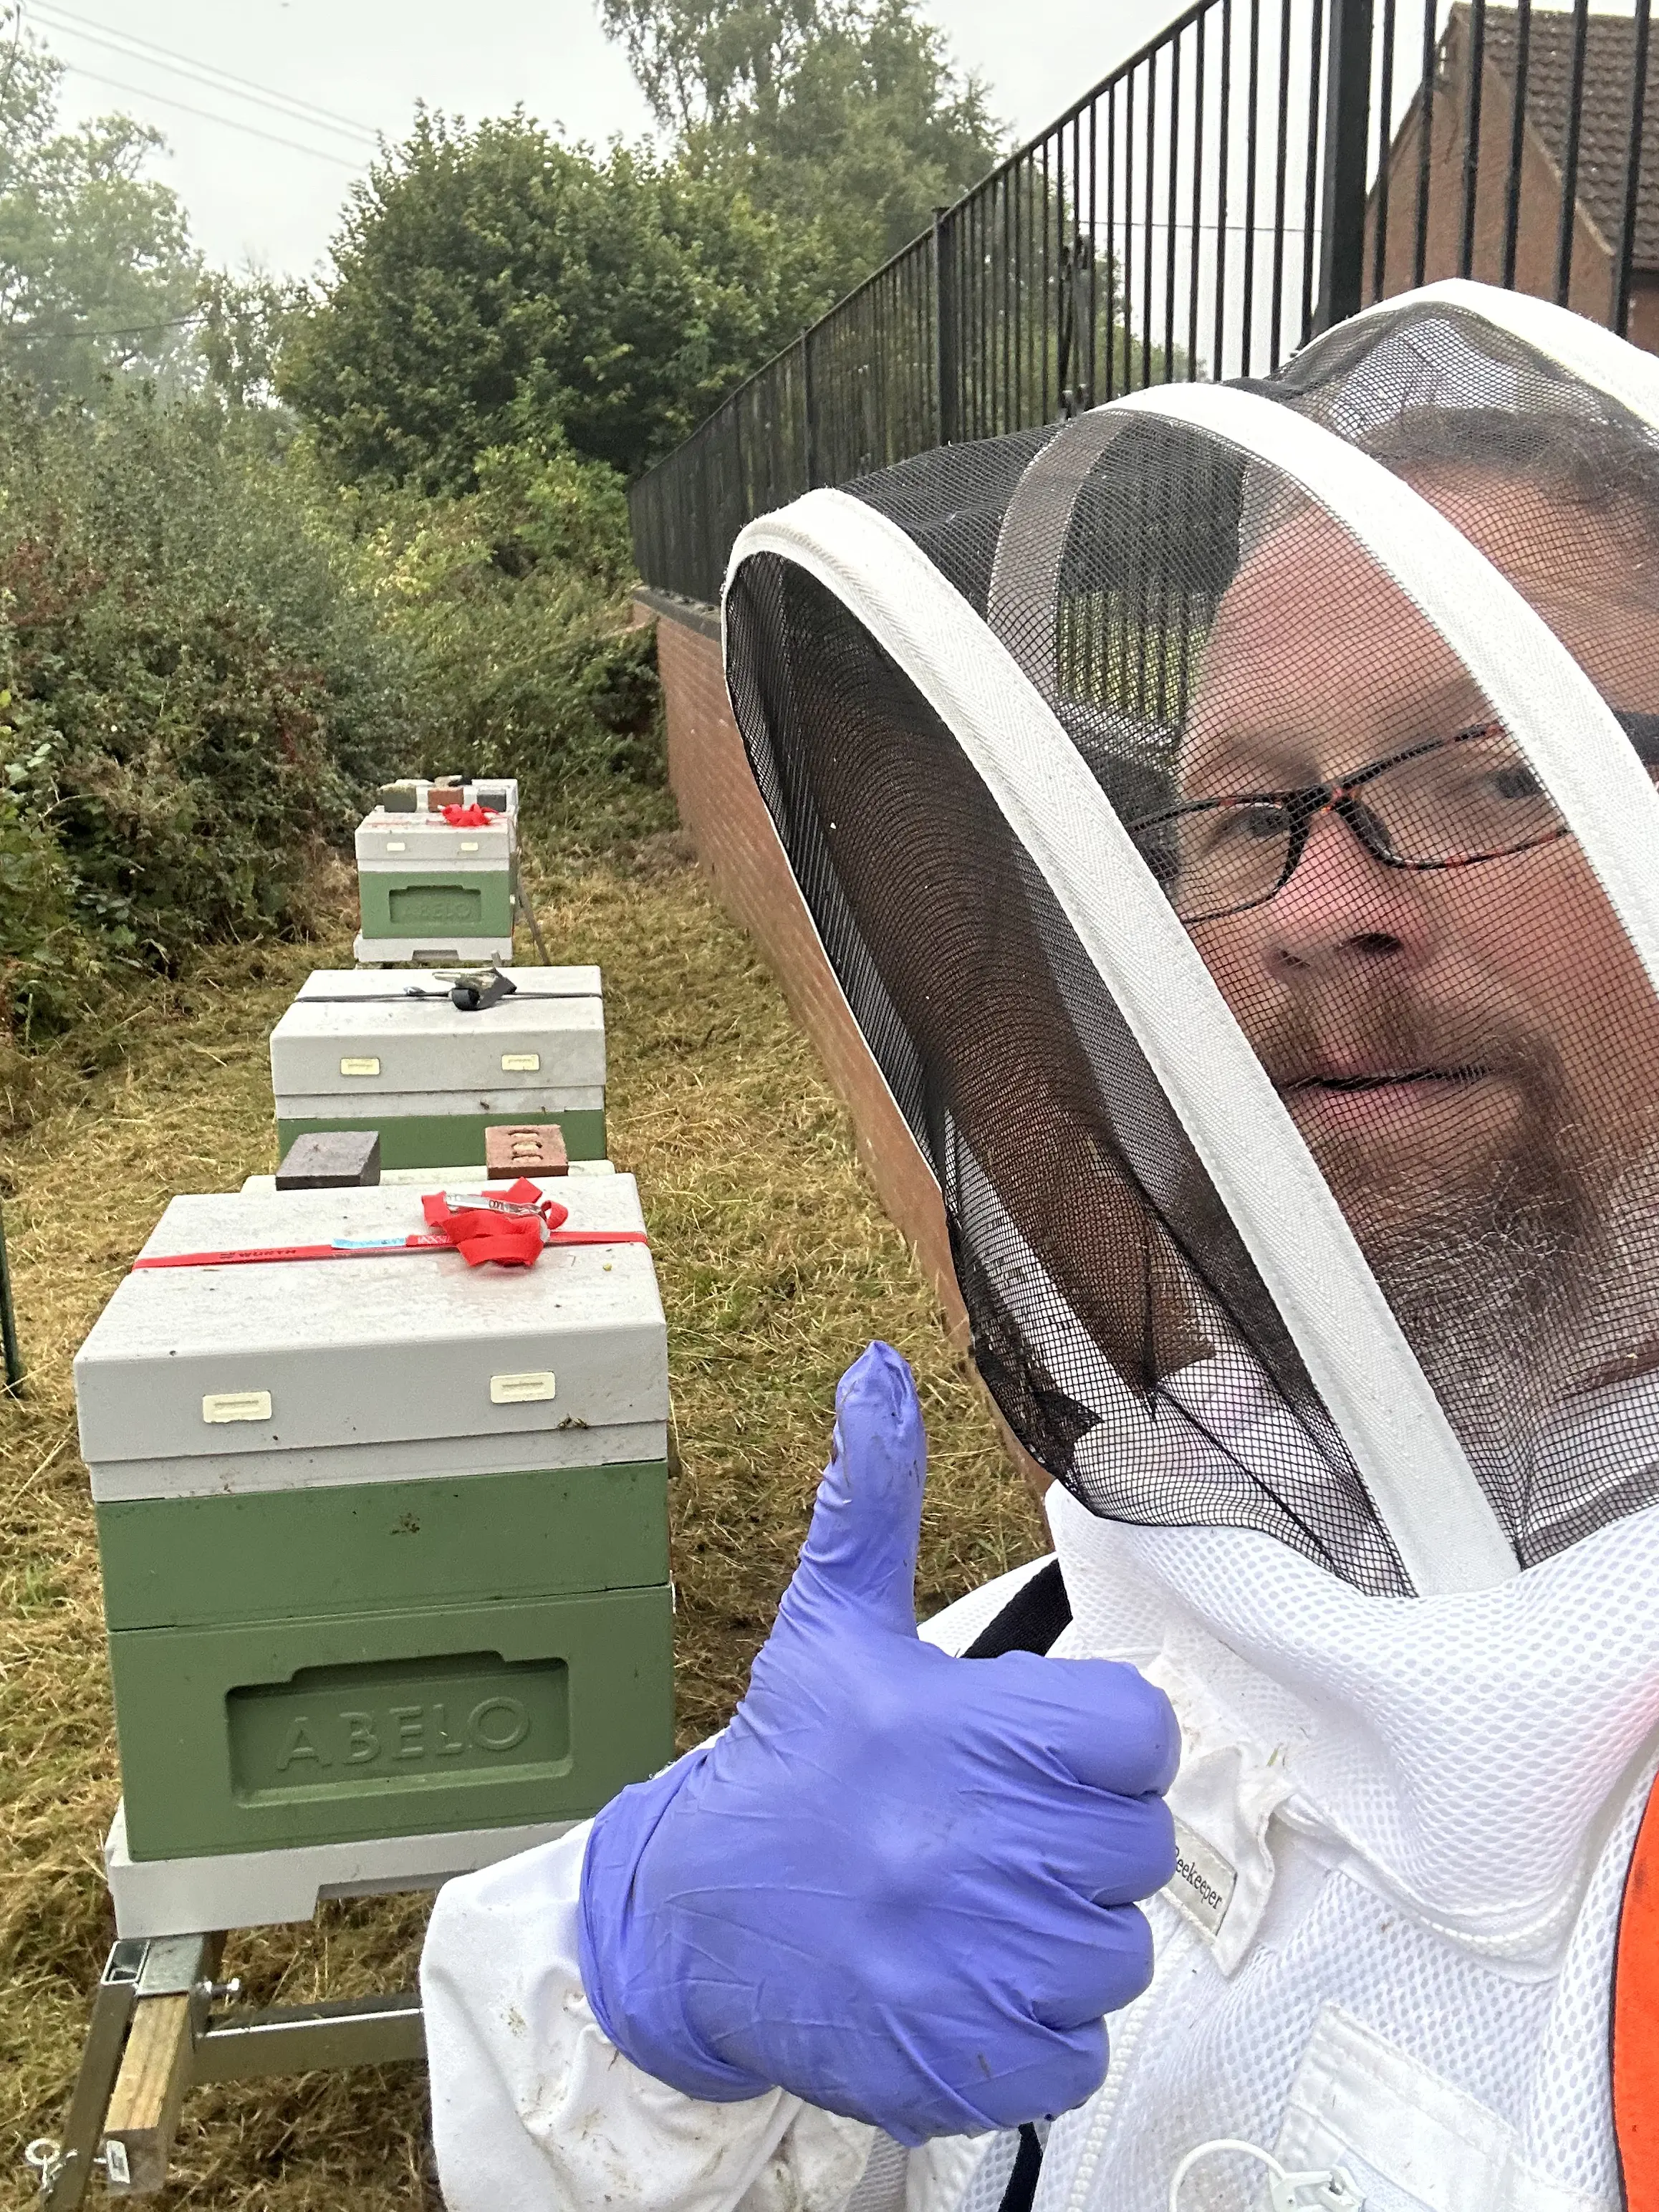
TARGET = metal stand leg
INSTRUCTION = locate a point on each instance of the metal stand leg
(14, 1355)
(526, 907)
(175, 1985)
(65, 2168)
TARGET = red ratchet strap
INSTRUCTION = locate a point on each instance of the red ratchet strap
(511, 1228)
(468, 817)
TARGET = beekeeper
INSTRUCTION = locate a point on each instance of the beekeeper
(1229, 816)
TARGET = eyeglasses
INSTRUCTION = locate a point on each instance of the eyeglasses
(1446, 804)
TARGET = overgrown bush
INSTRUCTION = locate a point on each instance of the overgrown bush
(493, 285)
(209, 654)
(197, 691)
(512, 599)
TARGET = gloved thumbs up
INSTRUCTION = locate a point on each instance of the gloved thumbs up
(899, 1884)
(861, 1550)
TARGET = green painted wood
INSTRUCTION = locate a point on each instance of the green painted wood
(396, 1724)
(456, 1141)
(464, 902)
(367, 1547)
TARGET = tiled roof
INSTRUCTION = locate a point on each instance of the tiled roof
(1609, 69)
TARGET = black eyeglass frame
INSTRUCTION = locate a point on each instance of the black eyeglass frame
(1303, 807)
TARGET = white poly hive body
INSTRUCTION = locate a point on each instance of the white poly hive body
(290, 1374)
(353, 1040)
(403, 844)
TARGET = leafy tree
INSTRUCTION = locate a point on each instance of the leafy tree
(244, 321)
(843, 118)
(96, 269)
(493, 285)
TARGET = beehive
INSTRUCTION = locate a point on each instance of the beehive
(360, 1049)
(430, 891)
(384, 1538)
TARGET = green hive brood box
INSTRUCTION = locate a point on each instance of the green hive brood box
(430, 893)
(360, 1049)
(384, 1540)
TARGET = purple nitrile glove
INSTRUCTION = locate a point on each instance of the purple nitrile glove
(900, 1884)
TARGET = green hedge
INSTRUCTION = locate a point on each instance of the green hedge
(208, 657)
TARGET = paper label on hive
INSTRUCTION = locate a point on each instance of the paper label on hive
(469, 844)
(236, 1405)
(396, 845)
(521, 1063)
(1203, 1883)
(520, 1389)
(359, 1067)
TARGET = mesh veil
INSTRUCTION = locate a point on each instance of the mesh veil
(1437, 989)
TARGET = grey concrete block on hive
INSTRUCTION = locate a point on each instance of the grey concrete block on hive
(332, 1160)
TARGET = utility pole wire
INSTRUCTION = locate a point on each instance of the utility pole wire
(229, 122)
(134, 48)
(24, 330)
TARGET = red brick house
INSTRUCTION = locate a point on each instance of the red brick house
(1609, 68)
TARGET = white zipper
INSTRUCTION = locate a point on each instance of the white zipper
(1184, 1940)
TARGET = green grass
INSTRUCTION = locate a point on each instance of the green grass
(776, 1266)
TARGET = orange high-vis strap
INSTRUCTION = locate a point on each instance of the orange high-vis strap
(1636, 2021)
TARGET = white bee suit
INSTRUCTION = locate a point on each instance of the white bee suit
(1231, 818)
(1410, 1979)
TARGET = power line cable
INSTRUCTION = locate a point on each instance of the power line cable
(10, 331)
(229, 122)
(133, 48)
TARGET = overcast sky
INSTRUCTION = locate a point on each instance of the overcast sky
(367, 62)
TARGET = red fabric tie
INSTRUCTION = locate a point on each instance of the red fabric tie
(468, 817)
(508, 1229)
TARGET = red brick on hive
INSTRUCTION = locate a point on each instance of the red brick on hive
(533, 1149)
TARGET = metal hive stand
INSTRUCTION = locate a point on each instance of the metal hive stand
(155, 2034)
(163, 2023)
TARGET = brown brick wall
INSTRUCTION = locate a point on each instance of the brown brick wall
(1539, 205)
(725, 816)
(726, 820)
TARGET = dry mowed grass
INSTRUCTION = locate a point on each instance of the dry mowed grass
(776, 1266)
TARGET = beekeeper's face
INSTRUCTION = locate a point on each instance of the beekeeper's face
(1441, 1033)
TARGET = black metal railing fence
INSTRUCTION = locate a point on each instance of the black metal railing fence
(1257, 171)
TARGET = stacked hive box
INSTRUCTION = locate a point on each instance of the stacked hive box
(362, 1050)
(384, 1542)
(431, 892)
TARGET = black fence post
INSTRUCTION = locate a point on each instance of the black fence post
(1347, 132)
(945, 328)
(809, 410)
(1620, 305)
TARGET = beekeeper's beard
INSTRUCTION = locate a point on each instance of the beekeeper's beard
(1522, 1292)
(1515, 1243)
